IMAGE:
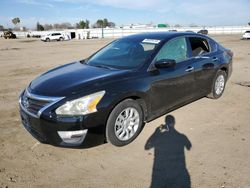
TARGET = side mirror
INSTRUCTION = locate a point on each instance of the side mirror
(165, 63)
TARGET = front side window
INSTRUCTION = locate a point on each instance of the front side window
(123, 54)
(175, 49)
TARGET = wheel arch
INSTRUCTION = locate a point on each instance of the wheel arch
(138, 98)
(224, 68)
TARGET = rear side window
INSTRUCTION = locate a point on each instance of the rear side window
(199, 46)
(175, 49)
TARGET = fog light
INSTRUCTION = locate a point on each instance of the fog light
(73, 137)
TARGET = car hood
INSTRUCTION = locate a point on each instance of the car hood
(72, 78)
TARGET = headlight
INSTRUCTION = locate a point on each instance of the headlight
(81, 106)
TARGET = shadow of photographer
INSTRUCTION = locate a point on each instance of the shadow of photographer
(169, 169)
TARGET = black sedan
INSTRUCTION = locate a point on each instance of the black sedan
(126, 84)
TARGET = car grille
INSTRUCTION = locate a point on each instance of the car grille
(34, 104)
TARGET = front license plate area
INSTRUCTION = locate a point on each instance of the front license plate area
(25, 119)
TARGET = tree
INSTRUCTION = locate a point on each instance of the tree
(99, 23)
(16, 21)
(105, 22)
(249, 23)
(87, 24)
(81, 24)
(39, 27)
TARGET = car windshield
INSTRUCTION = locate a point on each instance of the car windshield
(124, 54)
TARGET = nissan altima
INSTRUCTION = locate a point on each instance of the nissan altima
(124, 85)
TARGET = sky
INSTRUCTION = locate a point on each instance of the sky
(125, 12)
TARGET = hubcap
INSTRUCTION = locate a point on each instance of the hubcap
(219, 84)
(126, 124)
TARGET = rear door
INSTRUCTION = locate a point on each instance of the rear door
(172, 86)
(205, 57)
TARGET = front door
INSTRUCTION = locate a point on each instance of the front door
(172, 86)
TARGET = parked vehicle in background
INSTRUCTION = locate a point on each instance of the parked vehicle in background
(131, 81)
(203, 31)
(9, 35)
(53, 37)
(246, 35)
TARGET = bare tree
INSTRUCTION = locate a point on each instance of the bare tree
(1, 28)
(47, 27)
(177, 25)
(111, 24)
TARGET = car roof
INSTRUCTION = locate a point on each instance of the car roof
(161, 35)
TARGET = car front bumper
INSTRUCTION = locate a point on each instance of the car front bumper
(63, 131)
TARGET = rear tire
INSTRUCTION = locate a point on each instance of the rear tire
(125, 123)
(218, 86)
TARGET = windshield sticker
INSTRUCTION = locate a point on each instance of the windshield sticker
(151, 41)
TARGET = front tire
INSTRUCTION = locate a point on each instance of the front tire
(124, 123)
(47, 40)
(218, 86)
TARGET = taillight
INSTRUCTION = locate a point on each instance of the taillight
(230, 53)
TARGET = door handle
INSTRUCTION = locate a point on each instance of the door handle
(208, 66)
(215, 59)
(189, 69)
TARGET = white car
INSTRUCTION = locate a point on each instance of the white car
(52, 36)
(246, 35)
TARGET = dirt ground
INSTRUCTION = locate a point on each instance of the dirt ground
(209, 147)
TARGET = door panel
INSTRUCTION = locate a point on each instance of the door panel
(205, 67)
(172, 86)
